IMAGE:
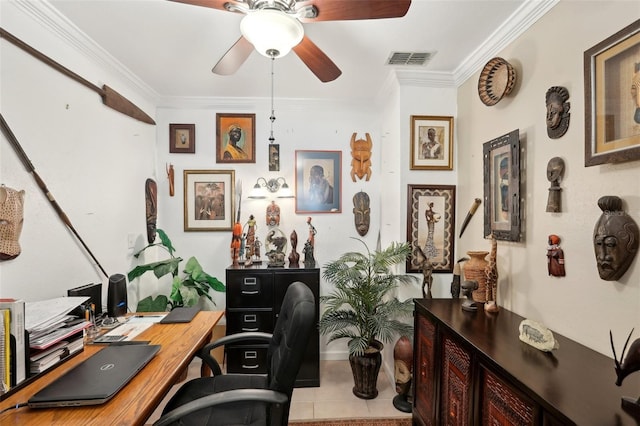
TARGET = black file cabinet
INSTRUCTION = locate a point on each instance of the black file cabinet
(254, 296)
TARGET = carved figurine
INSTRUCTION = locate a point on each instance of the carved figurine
(427, 274)
(361, 154)
(273, 214)
(468, 288)
(555, 257)
(615, 239)
(11, 219)
(491, 273)
(557, 111)
(455, 281)
(170, 176)
(250, 226)
(361, 213)
(294, 257)
(626, 366)
(555, 169)
(236, 236)
(537, 335)
(276, 245)
(309, 245)
(403, 366)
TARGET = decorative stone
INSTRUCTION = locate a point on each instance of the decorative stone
(537, 335)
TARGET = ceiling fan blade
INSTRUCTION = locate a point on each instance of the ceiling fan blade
(341, 10)
(213, 4)
(234, 57)
(317, 61)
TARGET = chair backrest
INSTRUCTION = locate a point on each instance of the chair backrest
(289, 342)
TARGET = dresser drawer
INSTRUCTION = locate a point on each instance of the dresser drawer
(249, 290)
(249, 320)
(247, 359)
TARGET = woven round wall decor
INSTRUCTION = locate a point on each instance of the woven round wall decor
(496, 81)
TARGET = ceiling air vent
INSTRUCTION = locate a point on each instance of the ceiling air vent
(409, 58)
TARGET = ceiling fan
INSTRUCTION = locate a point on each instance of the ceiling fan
(274, 27)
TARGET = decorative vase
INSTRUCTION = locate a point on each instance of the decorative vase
(365, 369)
(474, 271)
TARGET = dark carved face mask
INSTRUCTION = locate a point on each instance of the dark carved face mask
(361, 212)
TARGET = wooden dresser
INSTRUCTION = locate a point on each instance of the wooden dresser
(470, 368)
(254, 296)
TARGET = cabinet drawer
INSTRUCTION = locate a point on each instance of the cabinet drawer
(247, 359)
(242, 321)
(249, 290)
(502, 404)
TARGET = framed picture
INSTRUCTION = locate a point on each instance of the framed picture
(431, 213)
(612, 98)
(502, 187)
(209, 197)
(182, 138)
(318, 181)
(274, 157)
(431, 143)
(235, 138)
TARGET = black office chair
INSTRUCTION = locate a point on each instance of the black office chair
(250, 399)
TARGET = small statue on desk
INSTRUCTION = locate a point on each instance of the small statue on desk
(624, 367)
(294, 257)
(467, 289)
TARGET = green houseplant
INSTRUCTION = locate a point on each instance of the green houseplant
(363, 310)
(185, 290)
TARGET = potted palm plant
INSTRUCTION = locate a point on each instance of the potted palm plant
(186, 290)
(363, 309)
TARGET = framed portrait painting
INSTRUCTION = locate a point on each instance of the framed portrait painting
(235, 138)
(431, 143)
(501, 163)
(182, 138)
(431, 213)
(612, 98)
(209, 197)
(318, 181)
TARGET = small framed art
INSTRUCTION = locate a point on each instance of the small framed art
(501, 161)
(182, 138)
(431, 143)
(209, 200)
(235, 138)
(318, 181)
(612, 98)
(431, 213)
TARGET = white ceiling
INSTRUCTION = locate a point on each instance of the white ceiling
(172, 47)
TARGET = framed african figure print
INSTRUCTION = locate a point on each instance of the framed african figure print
(235, 138)
(209, 197)
(318, 181)
(612, 98)
(431, 213)
(501, 163)
(431, 143)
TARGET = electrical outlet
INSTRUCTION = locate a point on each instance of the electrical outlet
(131, 241)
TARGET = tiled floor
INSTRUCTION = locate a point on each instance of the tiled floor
(333, 399)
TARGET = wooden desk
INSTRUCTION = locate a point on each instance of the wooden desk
(138, 399)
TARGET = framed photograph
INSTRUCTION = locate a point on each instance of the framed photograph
(274, 157)
(235, 138)
(501, 158)
(612, 98)
(431, 214)
(318, 181)
(182, 138)
(209, 197)
(431, 143)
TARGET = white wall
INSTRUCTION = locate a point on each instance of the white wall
(93, 160)
(580, 306)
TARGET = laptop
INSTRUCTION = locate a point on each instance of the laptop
(97, 379)
(182, 314)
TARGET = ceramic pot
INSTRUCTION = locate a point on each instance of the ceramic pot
(474, 271)
(365, 369)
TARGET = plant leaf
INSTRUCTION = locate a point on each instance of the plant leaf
(148, 304)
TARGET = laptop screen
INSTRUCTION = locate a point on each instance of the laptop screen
(97, 379)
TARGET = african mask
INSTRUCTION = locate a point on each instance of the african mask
(557, 111)
(361, 212)
(11, 219)
(361, 154)
(615, 239)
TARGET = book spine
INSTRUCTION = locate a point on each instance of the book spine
(5, 377)
(19, 370)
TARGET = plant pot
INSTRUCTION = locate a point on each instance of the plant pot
(365, 369)
(474, 271)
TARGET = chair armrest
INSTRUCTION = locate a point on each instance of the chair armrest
(205, 352)
(227, 397)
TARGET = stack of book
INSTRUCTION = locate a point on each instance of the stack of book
(13, 345)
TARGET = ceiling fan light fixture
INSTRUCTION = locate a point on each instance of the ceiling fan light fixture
(273, 33)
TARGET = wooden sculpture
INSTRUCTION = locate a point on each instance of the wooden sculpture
(361, 154)
(491, 272)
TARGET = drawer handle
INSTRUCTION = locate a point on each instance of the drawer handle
(251, 355)
(248, 367)
(250, 329)
(249, 292)
(250, 281)
(250, 318)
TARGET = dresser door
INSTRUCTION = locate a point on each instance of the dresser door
(425, 371)
(455, 383)
(501, 404)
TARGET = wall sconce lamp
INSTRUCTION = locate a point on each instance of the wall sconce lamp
(272, 186)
